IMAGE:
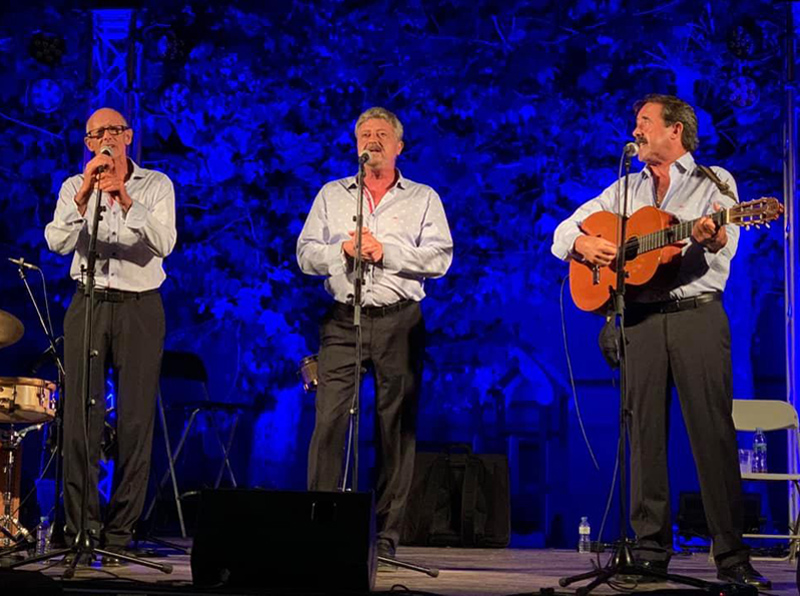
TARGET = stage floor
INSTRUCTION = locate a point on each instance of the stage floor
(479, 572)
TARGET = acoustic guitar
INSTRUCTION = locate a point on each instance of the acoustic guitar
(652, 246)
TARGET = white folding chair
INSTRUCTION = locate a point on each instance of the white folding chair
(772, 415)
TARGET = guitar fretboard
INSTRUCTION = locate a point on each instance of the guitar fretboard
(671, 235)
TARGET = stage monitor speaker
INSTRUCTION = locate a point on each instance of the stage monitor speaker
(284, 540)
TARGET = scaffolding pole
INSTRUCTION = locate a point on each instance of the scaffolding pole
(790, 236)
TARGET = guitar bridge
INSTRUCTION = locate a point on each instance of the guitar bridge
(595, 275)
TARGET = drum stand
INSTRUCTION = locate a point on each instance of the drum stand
(22, 539)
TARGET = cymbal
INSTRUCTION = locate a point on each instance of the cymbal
(11, 329)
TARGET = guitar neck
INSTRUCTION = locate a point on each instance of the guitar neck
(676, 233)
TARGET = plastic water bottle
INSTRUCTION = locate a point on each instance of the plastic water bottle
(759, 452)
(584, 536)
(43, 536)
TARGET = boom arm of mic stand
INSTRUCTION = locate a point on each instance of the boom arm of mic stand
(46, 330)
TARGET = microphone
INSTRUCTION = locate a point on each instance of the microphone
(21, 263)
(105, 150)
(631, 149)
(364, 158)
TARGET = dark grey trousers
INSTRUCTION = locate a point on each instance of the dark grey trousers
(394, 344)
(691, 349)
(129, 337)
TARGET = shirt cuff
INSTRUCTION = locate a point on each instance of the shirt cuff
(392, 258)
(337, 260)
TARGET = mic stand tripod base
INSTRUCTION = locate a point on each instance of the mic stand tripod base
(622, 565)
(431, 571)
(82, 550)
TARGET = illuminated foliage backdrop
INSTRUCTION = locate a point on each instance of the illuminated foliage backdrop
(515, 112)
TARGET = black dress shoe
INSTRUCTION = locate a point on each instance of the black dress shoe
(744, 573)
(111, 560)
(385, 550)
(85, 560)
(645, 578)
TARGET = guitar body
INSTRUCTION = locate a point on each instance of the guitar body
(591, 287)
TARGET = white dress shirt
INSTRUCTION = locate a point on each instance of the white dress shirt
(409, 222)
(130, 247)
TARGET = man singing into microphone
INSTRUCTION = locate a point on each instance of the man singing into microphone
(136, 232)
(678, 336)
(406, 239)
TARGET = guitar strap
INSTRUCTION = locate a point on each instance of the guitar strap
(723, 187)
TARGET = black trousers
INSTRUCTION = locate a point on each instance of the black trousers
(128, 334)
(393, 341)
(691, 349)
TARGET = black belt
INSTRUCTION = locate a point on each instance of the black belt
(674, 305)
(108, 295)
(376, 312)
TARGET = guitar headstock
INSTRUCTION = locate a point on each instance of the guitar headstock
(755, 213)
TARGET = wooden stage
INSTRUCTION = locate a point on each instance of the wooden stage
(479, 572)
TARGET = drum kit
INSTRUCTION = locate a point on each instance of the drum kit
(23, 401)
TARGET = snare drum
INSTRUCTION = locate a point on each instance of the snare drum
(27, 401)
(308, 373)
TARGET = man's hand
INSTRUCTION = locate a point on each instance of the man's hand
(113, 184)
(89, 179)
(595, 250)
(707, 233)
(371, 249)
(109, 181)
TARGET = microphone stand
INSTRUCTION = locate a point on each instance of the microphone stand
(355, 406)
(83, 547)
(622, 561)
(52, 352)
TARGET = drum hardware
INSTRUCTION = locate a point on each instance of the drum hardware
(26, 400)
(308, 373)
(11, 329)
(15, 536)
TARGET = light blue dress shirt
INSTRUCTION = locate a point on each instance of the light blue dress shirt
(690, 195)
(409, 221)
(131, 246)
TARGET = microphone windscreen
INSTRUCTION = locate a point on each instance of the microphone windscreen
(631, 149)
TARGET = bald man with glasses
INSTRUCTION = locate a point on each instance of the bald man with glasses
(135, 234)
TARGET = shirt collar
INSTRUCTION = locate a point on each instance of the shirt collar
(352, 181)
(685, 164)
(137, 171)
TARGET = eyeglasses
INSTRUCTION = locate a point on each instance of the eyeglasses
(99, 133)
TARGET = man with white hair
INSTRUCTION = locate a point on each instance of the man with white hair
(406, 239)
(136, 232)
